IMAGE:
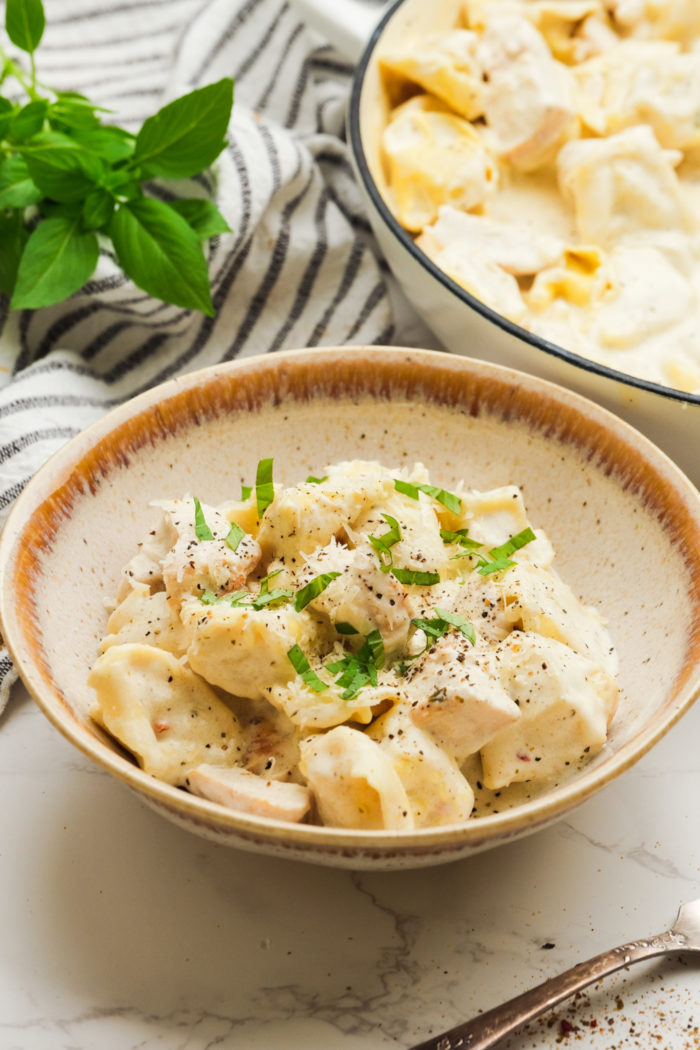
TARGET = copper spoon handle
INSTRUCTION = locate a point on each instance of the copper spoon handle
(488, 1028)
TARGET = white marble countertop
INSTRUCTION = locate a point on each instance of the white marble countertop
(121, 931)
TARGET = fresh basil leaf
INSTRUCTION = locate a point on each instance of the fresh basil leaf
(204, 217)
(346, 628)
(7, 111)
(57, 260)
(24, 22)
(187, 135)
(73, 111)
(264, 487)
(112, 144)
(17, 190)
(487, 567)
(209, 598)
(382, 544)
(201, 529)
(311, 480)
(461, 536)
(521, 539)
(13, 237)
(161, 254)
(29, 121)
(375, 647)
(62, 173)
(273, 597)
(455, 620)
(98, 209)
(414, 576)
(302, 667)
(447, 499)
(246, 492)
(235, 535)
(313, 589)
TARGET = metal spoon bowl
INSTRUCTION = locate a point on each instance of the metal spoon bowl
(489, 1028)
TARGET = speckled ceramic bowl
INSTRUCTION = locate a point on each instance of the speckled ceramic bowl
(624, 521)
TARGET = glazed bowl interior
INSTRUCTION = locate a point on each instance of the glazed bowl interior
(462, 322)
(624, 521)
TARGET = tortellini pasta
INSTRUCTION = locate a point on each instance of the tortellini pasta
(349, 649)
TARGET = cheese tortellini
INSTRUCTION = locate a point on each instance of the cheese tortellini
(545, 155)
(362, 649)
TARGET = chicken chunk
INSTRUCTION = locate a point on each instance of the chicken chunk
(528, 96)
(194, 565)
(167, 716)
(245, 792)
(541, 601)
(304, 517)
(354, 782)
(565, 702)
(361, 595)
(516, 250)
(457, 698)
(481, 277)
(420, 546)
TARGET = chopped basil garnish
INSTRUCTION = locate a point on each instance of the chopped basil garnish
(303, 669)
(313, 589)
(440, 624)
(382, 544)
(243, 598)
(499, 557)
(311, 480)
(270, 597)
(455, 620)
(461, 537)
(264, 488)
(201, 529)
(521, 539)
(234, 598)
(356, 670)
(447, 499)
(246, 492)
(423, 579)
(235, 535)
(346, 628)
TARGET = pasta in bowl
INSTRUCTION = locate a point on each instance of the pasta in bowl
(624, 522)
(361, 650)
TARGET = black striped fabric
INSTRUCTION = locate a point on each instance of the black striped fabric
(299, 268)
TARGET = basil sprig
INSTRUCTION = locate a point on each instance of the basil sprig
(84, 179)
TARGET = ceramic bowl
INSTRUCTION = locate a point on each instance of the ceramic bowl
(464, 324)
(624, 521)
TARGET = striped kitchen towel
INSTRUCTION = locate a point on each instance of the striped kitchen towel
(299, 268)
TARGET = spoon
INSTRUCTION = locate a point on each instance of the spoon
(489, 1028)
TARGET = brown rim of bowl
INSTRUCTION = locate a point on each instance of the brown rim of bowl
(474, 387)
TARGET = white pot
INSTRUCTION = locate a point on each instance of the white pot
(463, 324)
